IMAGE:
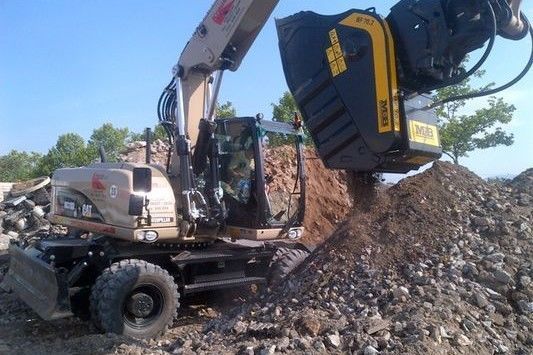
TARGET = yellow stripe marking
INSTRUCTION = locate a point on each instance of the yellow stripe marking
(373, 27)
(394, 81)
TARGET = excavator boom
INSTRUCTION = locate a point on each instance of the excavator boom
(361, 80)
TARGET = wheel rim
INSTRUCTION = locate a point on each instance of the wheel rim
(143, 306)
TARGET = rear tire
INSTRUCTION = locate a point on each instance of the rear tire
(134, 298)
(284, 262)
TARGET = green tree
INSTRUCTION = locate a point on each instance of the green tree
(158, 132)
(112, 139)
(69, 151)
(226, 110)
(284, 111)
(463, 133)
(18, 166)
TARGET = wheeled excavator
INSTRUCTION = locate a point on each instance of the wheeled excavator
(141, 235)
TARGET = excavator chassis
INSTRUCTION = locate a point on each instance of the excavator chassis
(50, 275)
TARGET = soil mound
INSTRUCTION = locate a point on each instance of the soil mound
(440, 263)
(327, 198)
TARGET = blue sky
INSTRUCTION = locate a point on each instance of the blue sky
(70, 66)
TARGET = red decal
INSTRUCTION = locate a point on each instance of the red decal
(222, 11)
(96, 182)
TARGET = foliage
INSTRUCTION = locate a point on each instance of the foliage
(18, 166)
(226, 110)
(69, 151)
(284, 111)
(463, 133)
(112, 139)
(158, 132)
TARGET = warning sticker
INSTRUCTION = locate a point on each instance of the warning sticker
(331, 54)
(333, 36)
(337, 49)
(334, 68)
(341, 64)
(335, 56)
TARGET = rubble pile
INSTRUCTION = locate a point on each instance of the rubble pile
(23, 212)
(135, 152)
(522, 188)
(442, 263)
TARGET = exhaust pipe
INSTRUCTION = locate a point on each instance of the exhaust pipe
(148, 139)
(103, 157)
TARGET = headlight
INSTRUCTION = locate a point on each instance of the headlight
(147, 236)
(294, 234)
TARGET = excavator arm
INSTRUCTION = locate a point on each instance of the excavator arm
(361, 81)
(219, 43)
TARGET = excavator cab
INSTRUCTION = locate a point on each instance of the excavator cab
(248, 152)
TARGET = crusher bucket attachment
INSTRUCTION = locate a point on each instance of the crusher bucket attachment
(341, 70)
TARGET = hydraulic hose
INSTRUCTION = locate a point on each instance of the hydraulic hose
(500, 88)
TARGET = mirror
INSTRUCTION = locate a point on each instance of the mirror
(142, 180)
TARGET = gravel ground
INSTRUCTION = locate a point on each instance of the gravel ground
(441, 263)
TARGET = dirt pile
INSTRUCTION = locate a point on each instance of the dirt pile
(327, 198)
(442, 263)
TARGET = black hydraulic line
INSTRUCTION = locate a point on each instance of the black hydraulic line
(163, 95)
(500, 88)
(488, 50)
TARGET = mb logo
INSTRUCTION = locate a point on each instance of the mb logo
(425, 132)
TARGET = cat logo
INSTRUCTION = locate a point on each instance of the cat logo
(424, 133)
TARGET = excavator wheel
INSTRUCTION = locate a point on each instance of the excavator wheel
(135, 298)
(283, 262)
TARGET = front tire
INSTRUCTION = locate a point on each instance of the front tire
(284, 262)
(134, 298)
